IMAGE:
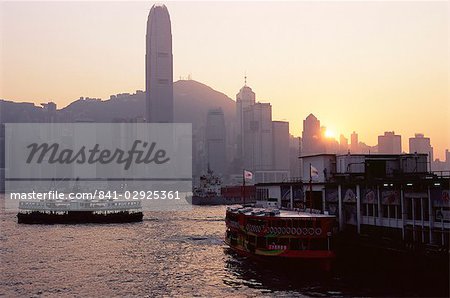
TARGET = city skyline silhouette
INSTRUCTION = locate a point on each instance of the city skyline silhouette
(370, 78)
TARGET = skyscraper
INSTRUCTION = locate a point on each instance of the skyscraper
(343, 144)
(215, 141)
(244, 99)
(258, 141)
(280, 134)
(159, 66)
(312, 142)
(354, 145)
(421, 144)
(262, 144)
(390, 143)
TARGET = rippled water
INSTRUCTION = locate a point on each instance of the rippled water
(170, 253)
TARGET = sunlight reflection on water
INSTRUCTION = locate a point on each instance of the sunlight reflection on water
(169, 253)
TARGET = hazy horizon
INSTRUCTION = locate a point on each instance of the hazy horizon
(390, 72)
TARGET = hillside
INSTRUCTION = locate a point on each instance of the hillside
(192, 100)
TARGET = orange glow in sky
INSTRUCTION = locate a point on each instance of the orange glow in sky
(330, 134)
(358, 66)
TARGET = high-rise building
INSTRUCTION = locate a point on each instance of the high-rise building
(244, 99)
(216, 141)
(50, 112)
(159, 66)
(354, 145)
(312, 142)
(343, 144)
(258, 149)
(280, 132)
(294, 154)
(262, 145)
(390, 143)
(421, 144)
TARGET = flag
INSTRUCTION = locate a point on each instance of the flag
(248, 175)
(314, 172)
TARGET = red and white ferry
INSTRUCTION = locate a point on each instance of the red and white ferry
(281, 235)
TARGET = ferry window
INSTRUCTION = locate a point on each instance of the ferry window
(283, 241)
(398, 211)
(275, 241)
(386, 211)
(393, 211)
(408, 208)
(368, 209)
(295, 244)
(417, 209)
(426, 214)
(261, 242)
(318, 244)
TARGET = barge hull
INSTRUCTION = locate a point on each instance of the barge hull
(310, 262)
(75, 217)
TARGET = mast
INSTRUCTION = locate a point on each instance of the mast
(243, 185)
(310, 188)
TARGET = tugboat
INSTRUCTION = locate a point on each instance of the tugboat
(67, 211)
(282, 236)
(210, 192)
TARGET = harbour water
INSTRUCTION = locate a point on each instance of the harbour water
(170, 254)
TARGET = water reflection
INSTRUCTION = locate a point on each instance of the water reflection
(169, 253)
(273, 277)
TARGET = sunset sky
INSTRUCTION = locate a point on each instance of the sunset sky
(364, 66)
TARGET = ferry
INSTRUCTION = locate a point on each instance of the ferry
(67, 211)
(283, 236)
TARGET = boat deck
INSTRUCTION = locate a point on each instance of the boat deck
(79, 205)
(271, 212)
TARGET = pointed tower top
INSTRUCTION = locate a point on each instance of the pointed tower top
(311, 116)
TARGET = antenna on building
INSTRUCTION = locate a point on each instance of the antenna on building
(245, 78)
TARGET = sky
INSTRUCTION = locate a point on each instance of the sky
(360, 66)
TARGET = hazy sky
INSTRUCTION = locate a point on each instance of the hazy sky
(364, 66)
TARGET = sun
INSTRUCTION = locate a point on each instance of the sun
(330, 134)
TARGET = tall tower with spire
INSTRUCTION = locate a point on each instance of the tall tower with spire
(244, 99)
(159, 66)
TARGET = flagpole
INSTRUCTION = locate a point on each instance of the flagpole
(243, 184)
(310, 188)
